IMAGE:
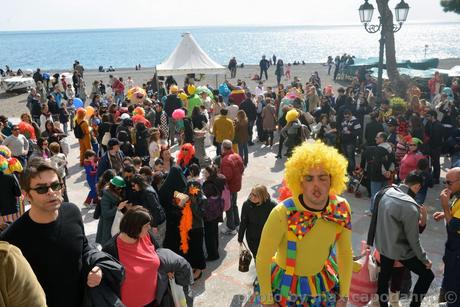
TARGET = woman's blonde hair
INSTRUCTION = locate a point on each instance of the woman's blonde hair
(261, 192)
(241, 115)
(309, 156)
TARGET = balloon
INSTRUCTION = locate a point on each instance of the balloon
(183, 96)
(89, 111)
(191, 89)
(78, 103)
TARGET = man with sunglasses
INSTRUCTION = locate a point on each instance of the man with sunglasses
(450, 203)
(52, 238)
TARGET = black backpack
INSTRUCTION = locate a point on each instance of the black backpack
(373, 224)
(78, 131)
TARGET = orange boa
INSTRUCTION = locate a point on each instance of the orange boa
(186, 221)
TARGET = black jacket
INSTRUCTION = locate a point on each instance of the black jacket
(253, 218)
(250, 109)
(372, 160)
(113, 274)
(372, 129)
(172, 103)
(149, 199)
(10, 193)
(435, 131)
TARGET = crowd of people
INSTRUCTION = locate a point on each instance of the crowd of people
(161, 213)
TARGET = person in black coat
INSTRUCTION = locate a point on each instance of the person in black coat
(250, 109)
(254, 214)
(148, 198)
(435, 131)
(10, 193)
(372, 129)
(175, 181)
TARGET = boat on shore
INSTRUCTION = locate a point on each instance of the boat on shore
(17, 84)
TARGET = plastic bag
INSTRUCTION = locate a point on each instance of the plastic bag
(362, 288)
(116, 223)
(226, 196)
(177, 293)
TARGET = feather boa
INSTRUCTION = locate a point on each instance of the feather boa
(186, 221)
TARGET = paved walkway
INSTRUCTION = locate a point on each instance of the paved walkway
(222, 284)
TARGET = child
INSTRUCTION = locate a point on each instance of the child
(58, 160)
(194, 174)
(137, 163)
(71, 112)
(158, 174)
(63, 116)
(425, 171)
(90, 165)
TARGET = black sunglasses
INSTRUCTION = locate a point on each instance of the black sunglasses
(55, 186)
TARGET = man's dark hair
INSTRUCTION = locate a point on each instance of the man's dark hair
(433, 113)
(414, 177)
(341, 90)
(34, 168)
(423, 164)
(158, 161)
(133, 221)
(129, 169)
(383, 135)
(194, 169)
(139, 180)
(223, 111)
(89, 153)
(137, 160)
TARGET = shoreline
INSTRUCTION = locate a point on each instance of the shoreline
(443, 64)
(12, 104)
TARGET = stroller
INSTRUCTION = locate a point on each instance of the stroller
(357, 180)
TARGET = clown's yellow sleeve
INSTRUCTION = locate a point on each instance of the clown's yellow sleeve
(345, 261)
(272, 234)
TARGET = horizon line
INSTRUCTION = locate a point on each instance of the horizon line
(218, 26)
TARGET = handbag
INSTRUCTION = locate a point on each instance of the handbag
(177, 293)
(226, 196)
(245, 258)
(106, 138)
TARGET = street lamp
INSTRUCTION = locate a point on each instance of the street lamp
(366, 10)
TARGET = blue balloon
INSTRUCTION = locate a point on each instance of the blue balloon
(78, 103)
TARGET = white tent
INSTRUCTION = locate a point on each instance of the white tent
(189, 58)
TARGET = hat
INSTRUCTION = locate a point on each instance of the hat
(124, 116)
(392, 121)
(174, 89)
(118, 182)
(112, 142)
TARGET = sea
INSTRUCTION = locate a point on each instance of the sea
(125, 48)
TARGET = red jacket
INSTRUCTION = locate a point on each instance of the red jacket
(231, 166)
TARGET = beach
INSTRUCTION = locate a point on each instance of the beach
(13, 105)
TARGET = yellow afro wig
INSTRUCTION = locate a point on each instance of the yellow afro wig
(292, 115)
(309, 156)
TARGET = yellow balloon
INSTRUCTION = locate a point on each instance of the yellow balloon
(89, 111)
(183, 96)
(191, 89)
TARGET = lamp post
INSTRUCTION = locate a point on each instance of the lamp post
(366, 10)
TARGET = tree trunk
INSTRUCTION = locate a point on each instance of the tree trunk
(390, 53)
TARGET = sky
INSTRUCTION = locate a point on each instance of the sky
(95, 14)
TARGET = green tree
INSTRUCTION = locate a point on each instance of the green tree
(451, 6)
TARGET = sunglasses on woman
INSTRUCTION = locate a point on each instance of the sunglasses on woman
(55, 186)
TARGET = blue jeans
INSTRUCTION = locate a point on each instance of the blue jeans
(243, 151)
(376, 186)
(349, 153)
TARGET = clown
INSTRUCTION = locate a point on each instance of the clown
(12, 202)
(10, 165)
(309, 234)
(136, 95)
